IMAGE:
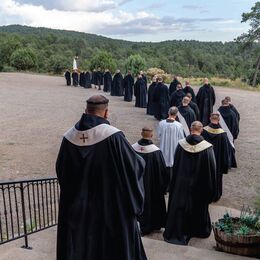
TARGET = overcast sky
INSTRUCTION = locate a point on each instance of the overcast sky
(136, 20)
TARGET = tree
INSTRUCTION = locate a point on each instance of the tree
(103, 60)
(252, 37)
(135, 63)
(23, 59)
(57, 64)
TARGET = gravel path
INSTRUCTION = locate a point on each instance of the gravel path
(36, 110)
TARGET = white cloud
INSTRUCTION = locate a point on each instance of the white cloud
(116, 23)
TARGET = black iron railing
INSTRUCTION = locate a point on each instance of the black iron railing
(27, 207)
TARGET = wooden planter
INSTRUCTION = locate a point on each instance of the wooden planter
(237, 244)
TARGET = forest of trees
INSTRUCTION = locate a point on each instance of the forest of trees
(47, 50)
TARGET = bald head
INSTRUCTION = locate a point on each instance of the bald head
(196, 128)
(225, 102)
(214, 118)
(97, 105)
(147, 133)
(228, 99)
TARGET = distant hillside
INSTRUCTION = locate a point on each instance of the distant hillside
(51, 48)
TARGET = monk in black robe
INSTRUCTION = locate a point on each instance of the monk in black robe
(233, 108)
(94, 78)
(205, 101)
(144, 77)
(128, 87)
(173, 85)
(230, 118)
(177, 96)
(117, 85)
(188, 89)
(192, 189)
(150, 104)
(82, 79)
(155, 183)
(186, 112)
(214, 134)
(140, 92)
(102, 192)
(67, 77)
(99, 78)
(161, 100)
(87, 79)
(75, 78)
(194, 106)
(107, 81)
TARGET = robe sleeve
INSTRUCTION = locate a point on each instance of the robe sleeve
(211, 189)
(130, 171)
(59, 162)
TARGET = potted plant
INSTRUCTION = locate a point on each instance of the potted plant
(239, 235)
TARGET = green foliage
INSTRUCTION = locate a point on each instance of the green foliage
(248, 223)
(23, 59)
(103, 60)
(55, 49)
(243, 231)
(251, 39)
(226, 224)
(58, 64)
(135, 63)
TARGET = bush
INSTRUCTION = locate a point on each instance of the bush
(23, 59)
(8, 69)
(58, 64)
(103, 60)
(135, 63)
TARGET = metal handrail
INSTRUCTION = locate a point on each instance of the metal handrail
(27, 207)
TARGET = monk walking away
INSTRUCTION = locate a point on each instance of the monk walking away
(102, 192)
(214, 134)
(192, 189)
(170, 132)
(155, 183)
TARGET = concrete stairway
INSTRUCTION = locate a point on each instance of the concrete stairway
(43, 244)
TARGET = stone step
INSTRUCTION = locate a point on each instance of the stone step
(44, 245)
(159, 250)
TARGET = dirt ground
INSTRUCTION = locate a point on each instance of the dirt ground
(36, 110)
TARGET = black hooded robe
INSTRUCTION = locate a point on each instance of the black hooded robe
(107, 81)
(82, 80)
(68, 78)
(205, 101)
(195, 108)
(75, 79)
(173, 86)
(140, 92)
(192, 189)
(117, 85)
(150, 103)
(99, 79)
(128, 87)
(102, 193)
(189, 89)
(233, 108)
(176, 98)
(87, 80)
(214, 134)
(230, 119)
(188, 114)
(155, 183)
(161, 101)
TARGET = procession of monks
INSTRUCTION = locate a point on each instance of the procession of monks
(113, 193)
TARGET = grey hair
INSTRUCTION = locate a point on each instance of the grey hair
(173, 111)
